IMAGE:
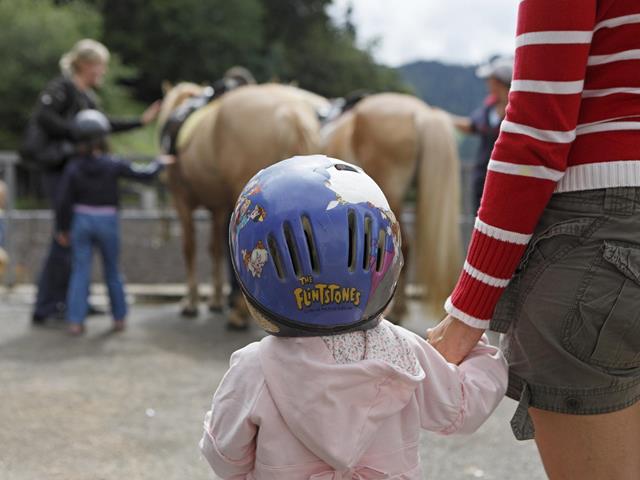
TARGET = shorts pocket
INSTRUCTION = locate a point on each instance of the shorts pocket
(547, 247)
(558, 240)
(604, 327)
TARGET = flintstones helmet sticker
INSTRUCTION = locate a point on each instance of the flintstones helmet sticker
(251, 188)
(314, 296)
(258, 214)
(255, 260)
(245, 213)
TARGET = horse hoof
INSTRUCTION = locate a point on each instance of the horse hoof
(235, 327)
(236, 321)
(216, 308)
(189, 312)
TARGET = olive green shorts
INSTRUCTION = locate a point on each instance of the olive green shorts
(571, 314)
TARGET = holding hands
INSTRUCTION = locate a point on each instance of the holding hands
(453, 338)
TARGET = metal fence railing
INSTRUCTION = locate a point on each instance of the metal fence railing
(8, 161)
(149, 210)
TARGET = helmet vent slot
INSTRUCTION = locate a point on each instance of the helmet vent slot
(381, 250)
(367, 243)
(313, 252)
(352, 240)
(292, 247)
(345, 167)
(275, 254)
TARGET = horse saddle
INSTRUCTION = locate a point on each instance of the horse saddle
(171, 136)
(340, 105)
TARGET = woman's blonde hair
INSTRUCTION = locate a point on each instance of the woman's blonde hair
(84, 51)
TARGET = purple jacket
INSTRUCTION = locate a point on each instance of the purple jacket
(286, 409)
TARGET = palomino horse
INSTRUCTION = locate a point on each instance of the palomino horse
(223, 145)
(395, 137)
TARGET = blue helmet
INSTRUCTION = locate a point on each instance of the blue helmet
(315, 247)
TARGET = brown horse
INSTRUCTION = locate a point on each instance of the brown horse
(220, 148)
(395, 138)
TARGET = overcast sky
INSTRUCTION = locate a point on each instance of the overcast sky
(453, 31)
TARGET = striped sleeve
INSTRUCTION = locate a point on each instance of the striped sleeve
(530, 155)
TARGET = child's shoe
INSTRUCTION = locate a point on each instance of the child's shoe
(75, 329)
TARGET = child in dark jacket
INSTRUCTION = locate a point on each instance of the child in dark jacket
(87, 215)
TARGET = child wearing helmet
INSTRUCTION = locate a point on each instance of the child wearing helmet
(87, 215)
(335, 391)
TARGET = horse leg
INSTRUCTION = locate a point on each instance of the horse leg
(190, 301)
(399, 306)
(217, 251)
(238, 316)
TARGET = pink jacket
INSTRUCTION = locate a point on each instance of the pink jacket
(287, 410)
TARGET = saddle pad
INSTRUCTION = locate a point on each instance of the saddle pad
(192, 121)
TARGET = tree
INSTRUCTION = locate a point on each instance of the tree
(304, 45)
(193, 40)
(33, 36)
(284, 40)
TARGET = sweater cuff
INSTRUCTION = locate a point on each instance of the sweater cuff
(465, 318)
(491, 260)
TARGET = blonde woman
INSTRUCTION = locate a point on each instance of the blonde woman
(52, 143)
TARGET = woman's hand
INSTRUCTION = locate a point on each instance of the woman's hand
(151, 113)
(63, 239)
(453, 338)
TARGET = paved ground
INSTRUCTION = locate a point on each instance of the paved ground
(130, 406)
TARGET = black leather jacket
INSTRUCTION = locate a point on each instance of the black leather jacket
(61, 100)
(49, 136)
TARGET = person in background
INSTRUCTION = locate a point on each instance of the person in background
(50, 141)
(335, 390)
(485, 120)
(87, 215)
(554, 259)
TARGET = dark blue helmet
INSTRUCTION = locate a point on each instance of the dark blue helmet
(90, 125)
(315, 247)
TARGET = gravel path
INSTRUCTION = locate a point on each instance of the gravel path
(130, 406)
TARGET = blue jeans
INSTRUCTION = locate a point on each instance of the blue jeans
(87, 231)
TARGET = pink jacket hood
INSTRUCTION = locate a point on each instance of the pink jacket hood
(311, 391)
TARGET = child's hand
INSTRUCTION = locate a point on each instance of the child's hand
(454, 339)
(167, 159)
(63, 239)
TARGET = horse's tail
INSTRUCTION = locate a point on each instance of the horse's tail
(300, 131)
(438, 245)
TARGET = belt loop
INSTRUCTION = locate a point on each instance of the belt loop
(619, 200)
(521, 424)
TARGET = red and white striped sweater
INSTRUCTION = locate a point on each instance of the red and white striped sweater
(573, 123)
